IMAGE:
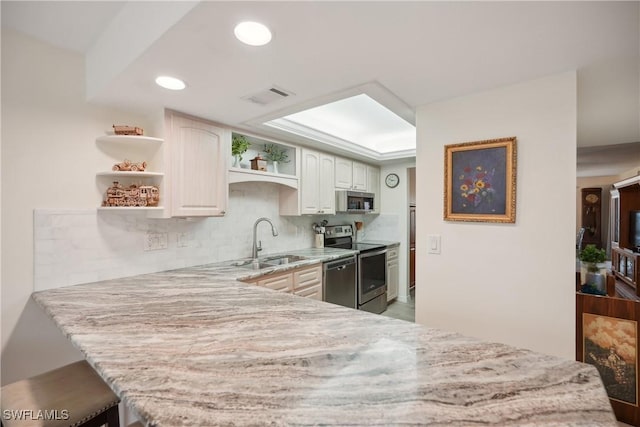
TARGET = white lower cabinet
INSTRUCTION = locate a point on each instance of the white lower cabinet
(278, 283)
(307, 282)
(303, 281)
(393, 273)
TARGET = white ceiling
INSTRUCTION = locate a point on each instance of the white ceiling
(73, 25)
(418, 52)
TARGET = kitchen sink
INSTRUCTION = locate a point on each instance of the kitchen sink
(282, 259)
(271, 261)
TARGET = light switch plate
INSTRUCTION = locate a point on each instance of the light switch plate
(433, 243)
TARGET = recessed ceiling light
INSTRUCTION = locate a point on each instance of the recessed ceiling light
(170, 83)
(252, 33)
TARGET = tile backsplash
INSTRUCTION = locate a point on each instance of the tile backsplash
(74, 246)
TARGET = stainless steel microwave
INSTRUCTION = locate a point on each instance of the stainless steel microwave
(354, 201)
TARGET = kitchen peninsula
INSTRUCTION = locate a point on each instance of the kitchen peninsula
(195, 347)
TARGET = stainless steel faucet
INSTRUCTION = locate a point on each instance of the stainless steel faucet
(257, 246)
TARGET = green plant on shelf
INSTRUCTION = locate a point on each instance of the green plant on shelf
(591, 255)
(275, 153)
(239, 145)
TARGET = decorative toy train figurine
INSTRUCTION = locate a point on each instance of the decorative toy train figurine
(127, 130)
(135, 195)
(127, 165)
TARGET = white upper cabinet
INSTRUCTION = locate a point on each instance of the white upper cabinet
(310, 182)
(350, 175)
(373, 185)
(317, 194)
(343, 171)
(359, 174)
(199, 162)
(326, 189)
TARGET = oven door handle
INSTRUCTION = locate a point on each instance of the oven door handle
(373, 253)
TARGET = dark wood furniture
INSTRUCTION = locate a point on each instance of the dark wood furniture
(591, 200)
(625, 198)
(607, 326)
(619, 319)
(624, 263)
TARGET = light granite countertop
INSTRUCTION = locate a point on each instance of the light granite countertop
(195, 347)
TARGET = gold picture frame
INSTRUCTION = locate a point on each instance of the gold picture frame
(480, 181)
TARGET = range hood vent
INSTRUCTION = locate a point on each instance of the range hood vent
(268, 96)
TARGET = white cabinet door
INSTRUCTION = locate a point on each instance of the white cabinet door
(317, 193)
(312, 292)
(309, 182)
(307, 282)
(373, 186)
(344, 173)
(359, 176)
(199, 166)
(393, 272)
(282, 283)
(393, 279)
(326, 190)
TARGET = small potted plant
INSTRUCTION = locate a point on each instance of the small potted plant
(275, 154)
(593, 270)
(239, 146)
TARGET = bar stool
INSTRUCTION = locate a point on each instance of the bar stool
(73, 395)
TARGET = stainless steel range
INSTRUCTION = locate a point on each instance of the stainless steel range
(371, 267)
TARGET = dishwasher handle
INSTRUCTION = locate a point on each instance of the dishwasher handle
(339, 264)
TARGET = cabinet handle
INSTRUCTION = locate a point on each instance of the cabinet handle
(223, 212)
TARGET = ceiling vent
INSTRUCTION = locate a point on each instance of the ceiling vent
(268, 96)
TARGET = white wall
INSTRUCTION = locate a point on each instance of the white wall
(49, 160)
(512, 283)
(629, 173)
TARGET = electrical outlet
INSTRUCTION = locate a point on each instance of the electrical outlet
(182, 240)
(155, 241)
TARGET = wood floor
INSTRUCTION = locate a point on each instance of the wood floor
(402, 310)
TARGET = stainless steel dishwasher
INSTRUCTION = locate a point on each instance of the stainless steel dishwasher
(339, 282)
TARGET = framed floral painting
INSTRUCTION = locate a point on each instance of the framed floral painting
(480, 181)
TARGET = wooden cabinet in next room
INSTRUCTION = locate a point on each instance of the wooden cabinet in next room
(591, 202)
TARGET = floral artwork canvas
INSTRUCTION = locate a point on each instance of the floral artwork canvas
(480, 181)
